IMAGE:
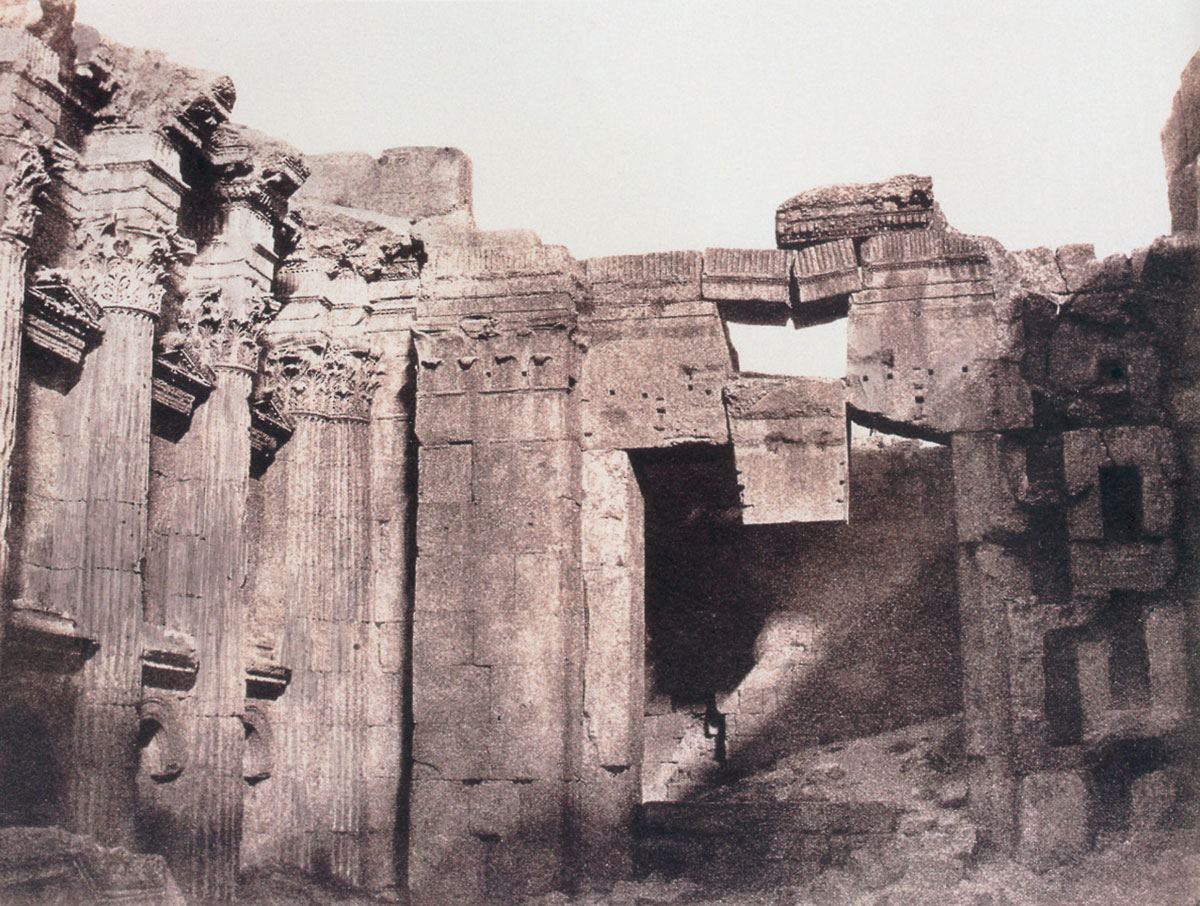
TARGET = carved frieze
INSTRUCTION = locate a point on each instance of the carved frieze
(60, 320)
(316, 376)
(126, 269)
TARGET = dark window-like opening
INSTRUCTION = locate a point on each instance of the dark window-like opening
(1113, 370)
(1121, 502)
(1063, 703)
(1116, 767)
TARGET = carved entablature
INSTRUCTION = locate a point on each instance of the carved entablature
(315, 376)
(60, 320)
(256, 171)
(270, 427)
(31, 174)
(223, 331)
(141, 88)
(127, 269)
(180, 382)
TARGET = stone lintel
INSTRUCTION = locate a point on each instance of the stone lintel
(791, 448)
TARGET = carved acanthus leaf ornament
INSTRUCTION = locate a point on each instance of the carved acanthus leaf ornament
(224, 331)
(315, 376)
(126, 269)
(30, 175)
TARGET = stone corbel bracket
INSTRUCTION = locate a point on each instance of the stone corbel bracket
(44, 639)
(265, 678)
(179, 384)
(168, 658)
(60, 320)
(158, 723)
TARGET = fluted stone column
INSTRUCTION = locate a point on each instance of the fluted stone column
(199, 489)
(322, 543)
(99, 536)
(28, 177)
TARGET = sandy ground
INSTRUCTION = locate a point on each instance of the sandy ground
(932, 861)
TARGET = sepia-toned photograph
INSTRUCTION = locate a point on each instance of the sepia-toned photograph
(599, 453)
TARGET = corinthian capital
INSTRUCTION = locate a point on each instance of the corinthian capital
(129, 269)
(316, 376)
(31, 174)
(225, 331)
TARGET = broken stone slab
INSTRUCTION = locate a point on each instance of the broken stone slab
(824, 271)
(751, 285)
(855, 211)
(415, 183)
(40, 865)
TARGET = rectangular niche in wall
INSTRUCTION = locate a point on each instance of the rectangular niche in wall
(1063, 702)
(1121, 502)
(1128, 657)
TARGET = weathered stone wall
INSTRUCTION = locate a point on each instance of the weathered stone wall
(340, 535)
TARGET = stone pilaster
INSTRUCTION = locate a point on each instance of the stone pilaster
(613, 565)
(498, 618)
(992, 580)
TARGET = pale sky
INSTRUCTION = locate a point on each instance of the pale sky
(621, 127)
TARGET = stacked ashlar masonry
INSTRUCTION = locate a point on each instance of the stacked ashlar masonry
(325, 535)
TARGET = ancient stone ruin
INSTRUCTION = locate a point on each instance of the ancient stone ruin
(344, 537)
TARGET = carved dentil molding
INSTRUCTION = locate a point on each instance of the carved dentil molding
(224, 331)
(317, 376)
(127, 269)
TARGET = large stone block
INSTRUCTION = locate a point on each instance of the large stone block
(1053, 817)
(760, 277)
(790, 447)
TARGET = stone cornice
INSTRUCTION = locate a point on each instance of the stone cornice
(314, 376)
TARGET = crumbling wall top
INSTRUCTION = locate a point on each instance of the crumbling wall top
(416, 183)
